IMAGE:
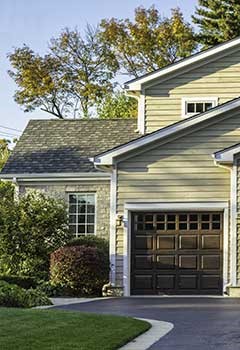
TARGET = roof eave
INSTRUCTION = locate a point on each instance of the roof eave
(107, 158)
(23, 177)
(136, 84)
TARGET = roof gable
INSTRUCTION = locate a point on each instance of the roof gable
(108, 157)
(136, 84)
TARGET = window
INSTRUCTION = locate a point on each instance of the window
(82, 210)
(192, 106)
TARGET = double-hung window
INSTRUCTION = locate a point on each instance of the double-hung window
(82, 213)
(195, 105)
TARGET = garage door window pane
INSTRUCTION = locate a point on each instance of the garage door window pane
(82, 213)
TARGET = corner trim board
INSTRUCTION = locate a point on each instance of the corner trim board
(112, 245)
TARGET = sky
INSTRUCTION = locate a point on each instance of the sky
(35, 22)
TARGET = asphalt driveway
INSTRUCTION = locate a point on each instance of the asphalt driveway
(199, 323)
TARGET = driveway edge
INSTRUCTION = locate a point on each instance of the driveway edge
(158, 330)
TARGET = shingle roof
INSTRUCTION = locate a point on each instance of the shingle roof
(55, 146)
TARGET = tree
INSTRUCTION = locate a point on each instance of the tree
(69, 79)
(218, 20)
(30, 229)
(149, 42)
(4, 152)
(117, 105)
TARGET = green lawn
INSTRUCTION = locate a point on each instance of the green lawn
(22, 329)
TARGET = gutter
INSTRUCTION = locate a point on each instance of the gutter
(46, 177)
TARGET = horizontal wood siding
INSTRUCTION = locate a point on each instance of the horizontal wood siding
(219, 78)
(182, 170)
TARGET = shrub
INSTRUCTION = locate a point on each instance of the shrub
(11, 295)
(30, 229)
(50, 289)
(21, 281)
(90, 241)
(36, 297)
(14, 296)
(80, 270)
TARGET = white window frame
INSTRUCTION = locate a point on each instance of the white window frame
(185, 100)
(76, 235)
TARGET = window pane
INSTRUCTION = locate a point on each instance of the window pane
(72, 219)
(90, 199)
(72, 208)
(82, 219)
(199, 107)
(72, 198)
(82, 208)
(81, 229)
(190, 107)
(90, 208)
(208, 106)
(90, 219)
(90, 229)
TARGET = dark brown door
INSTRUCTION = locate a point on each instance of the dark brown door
(176, 253)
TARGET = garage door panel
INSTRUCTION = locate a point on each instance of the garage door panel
(176, 253)
(144, 282)
(165, 262)
(210, 241)
(166, 282)
(188, 282)
(144, 262)
(143, 242)
(188, 242)
(210, 262)
(188, 261)
(166, 242)
(209, 282)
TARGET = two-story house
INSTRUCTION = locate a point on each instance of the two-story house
(163, 189)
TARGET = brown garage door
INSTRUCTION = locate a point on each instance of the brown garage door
(176, 253)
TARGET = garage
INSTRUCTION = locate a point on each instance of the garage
(176, 253)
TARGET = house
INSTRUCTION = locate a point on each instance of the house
(165, 188)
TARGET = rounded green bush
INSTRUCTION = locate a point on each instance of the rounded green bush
(79, 270)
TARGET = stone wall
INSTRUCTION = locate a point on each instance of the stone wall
(61, 190)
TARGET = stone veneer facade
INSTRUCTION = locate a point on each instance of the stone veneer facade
(61, 190)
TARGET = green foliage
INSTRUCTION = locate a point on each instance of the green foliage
(218, 21)
(80, 270)
(14, 296)
(117, 105)
(149, 42)
(6, 191)
(4, 152)
(21, 281)
(30, 229)
(90, 241)
(69, 79)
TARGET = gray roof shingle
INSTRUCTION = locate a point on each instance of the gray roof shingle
(55, 146)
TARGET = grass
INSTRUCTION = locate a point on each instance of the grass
(62, 330)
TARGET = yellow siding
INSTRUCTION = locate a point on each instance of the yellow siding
(181, 170)
(219, 78)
